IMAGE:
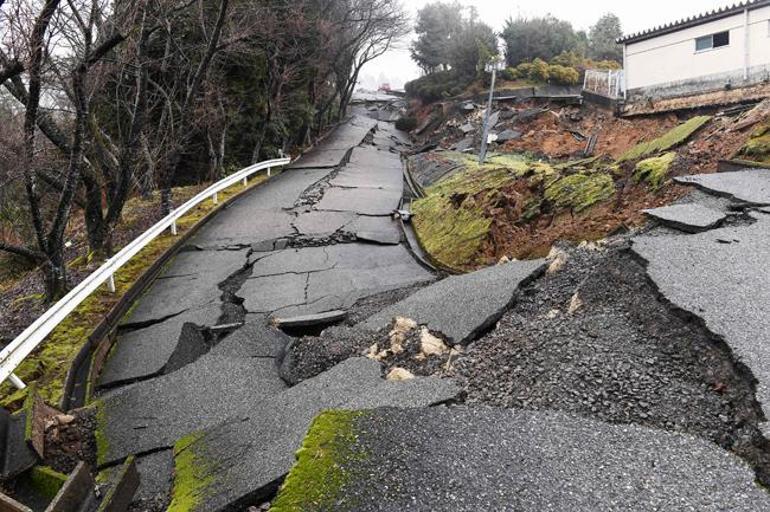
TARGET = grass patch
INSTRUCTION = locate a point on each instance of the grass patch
(192, 476)
(315, 481)
(580, 191)
(49, 364)
(654, 171)
(671, 139)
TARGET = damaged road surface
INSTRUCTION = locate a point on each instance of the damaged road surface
(630, 374)
(298, 245)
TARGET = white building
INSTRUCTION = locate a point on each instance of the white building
(725, 49)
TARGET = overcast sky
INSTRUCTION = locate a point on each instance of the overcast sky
(397, 67)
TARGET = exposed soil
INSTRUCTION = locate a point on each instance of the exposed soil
(622, 356)
(510, 237)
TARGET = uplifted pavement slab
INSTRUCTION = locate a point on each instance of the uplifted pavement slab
(383, 230)
(194, 281)
(319, 279)
(255, 339)
(145, 352)
(363, 201)
(751, 186)
(460, 459)
(321, 159)
(243, 461)
(462, 307)
(245, 224)
(690, 218)
(722, 277)
(153, 415)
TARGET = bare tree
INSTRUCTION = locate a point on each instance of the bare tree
(87, 52)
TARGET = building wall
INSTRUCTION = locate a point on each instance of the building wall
(670, 60)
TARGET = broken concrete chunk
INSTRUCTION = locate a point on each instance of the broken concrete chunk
(399, 375)
(431, 345)
(751, 186)
(690, 218)
(508, 135)
(527, 461)
(467, 128)
(462, 307)
(243, 461)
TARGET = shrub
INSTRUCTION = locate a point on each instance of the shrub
(406, 124)
(563, 75)
(510, 74)
(437, 86)
(540, 71)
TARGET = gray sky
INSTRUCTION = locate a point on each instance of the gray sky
(397, 67)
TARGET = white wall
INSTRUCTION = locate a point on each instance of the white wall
(672, 57)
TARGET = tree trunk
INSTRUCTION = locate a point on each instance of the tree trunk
(55, 275)
(96, 228)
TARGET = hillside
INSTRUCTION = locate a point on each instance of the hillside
(558, 172)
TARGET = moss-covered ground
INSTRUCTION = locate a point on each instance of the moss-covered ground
(49, 364)
(654, 171)
(192, 476)
(669, 140)
(757, 148)
(454, 218)
(319, 474)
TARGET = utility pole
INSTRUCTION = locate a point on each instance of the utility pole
(491, 67)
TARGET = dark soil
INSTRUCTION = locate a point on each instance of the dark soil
(67, 445)
(623, 357)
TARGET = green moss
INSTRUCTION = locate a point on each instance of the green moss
(46, 481)
(29, 411)
(454, 218)
(580, 191)
(654, 171)
(757, 148)
(318, 476)
(100, 433)
(192, 475)
(673, 138)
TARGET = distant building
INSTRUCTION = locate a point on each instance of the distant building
(720, 50)
(385, 88)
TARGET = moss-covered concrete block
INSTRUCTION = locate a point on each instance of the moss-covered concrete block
(669, 140)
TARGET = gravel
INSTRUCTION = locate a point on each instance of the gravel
(622, 357)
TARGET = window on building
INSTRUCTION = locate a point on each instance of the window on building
(712, 41)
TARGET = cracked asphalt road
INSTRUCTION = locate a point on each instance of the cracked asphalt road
(275, 250)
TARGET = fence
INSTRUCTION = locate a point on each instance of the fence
(18, 350)
(610, 83)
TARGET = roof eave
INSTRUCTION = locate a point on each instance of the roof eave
(693, 22)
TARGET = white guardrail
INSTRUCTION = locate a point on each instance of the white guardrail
(15, 353)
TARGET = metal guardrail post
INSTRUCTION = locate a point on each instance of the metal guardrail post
(17, 382)
(245, 182)
(111, 283)
(173, 228)
(215, 197)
